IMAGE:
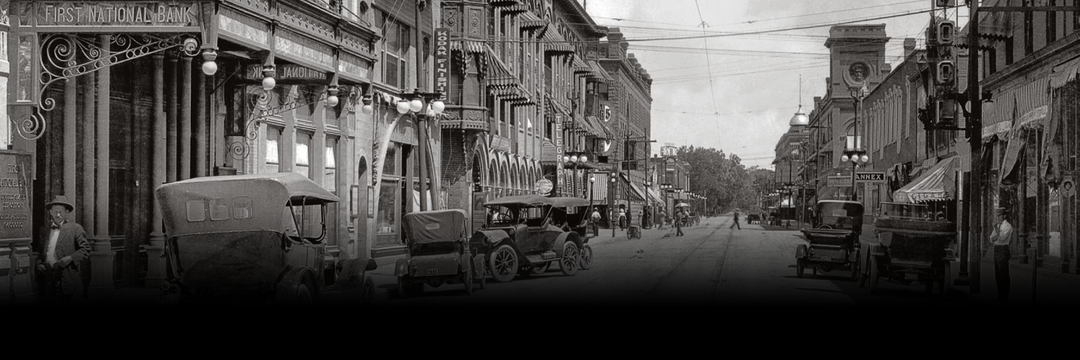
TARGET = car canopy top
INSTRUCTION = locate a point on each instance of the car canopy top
(532, 200)
(435, 226)
(568, 201)
(255, 202)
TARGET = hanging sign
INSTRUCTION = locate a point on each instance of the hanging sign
(544, 186)
(870, 177)
(15, 183)
(119, 13)
(285, 72)
(442, 60)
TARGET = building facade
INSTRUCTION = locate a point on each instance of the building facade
(112, 98)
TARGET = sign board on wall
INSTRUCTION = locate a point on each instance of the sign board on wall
(15, 191)
(442, 60)
(117, 13)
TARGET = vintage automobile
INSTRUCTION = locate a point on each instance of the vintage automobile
(572, 214)
(253, 238)
(833, 240)
(521, 235)
(913, 246)
(437, 252)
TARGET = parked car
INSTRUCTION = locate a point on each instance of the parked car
(437, 252)
(520, 235)
(833, 242)
(253, 238)
(573, 213)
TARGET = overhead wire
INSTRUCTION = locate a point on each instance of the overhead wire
(708, 63)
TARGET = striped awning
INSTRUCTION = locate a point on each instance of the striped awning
(555, 43)
(469, 46)
(936, 184)
(1012, 104)
(502, 83)
(1064, 73)
(528, 21)
(637, 190)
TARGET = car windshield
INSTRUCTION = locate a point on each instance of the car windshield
(839, 215)
(904, 210)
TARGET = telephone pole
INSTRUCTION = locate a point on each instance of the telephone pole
(974, 125)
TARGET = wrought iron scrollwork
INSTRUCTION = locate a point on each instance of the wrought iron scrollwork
(262, 109)
(65, 56)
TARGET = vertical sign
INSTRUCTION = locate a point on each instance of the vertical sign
(15, 220)
(442, 61)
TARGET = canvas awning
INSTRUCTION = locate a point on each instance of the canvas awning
(637, 191)
(655, 196)
(1065, 73)
(1011, 105)
(936, 184)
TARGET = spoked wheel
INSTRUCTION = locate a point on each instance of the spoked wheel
(570, 260)
(873, 274)
(800, 266)
(504, 264)
(586, 257)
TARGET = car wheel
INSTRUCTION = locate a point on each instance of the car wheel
(946, 280)
(800, 267)
(586, 257)
(369, 291)
(402, 287)
(873, 274)
(504, 264)
(468, 283)
(570, 258)
(303, 296)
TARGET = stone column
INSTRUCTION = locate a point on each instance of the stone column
(184, 140)
(155, 271)
(318, 160)
(200, 136)
(287, 143)
(70, 97)
(86, 202)
(170, 118)
(101, 285)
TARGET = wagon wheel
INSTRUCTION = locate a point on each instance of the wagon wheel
(586, 257)
(946, 280)
(504, 264)
(873, 274)
(570, 260)
(800, 266)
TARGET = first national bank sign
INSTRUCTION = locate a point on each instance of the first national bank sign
(117, 13)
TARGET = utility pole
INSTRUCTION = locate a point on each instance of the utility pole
(974, 125)
(421, 125)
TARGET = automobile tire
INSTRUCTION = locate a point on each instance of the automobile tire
(586, 257)
(468, 283)
(571, 258)
(504, 264)
(873, 274)
(403, 287)
(303, 296)
(800, 267)
(368, 295)
(946, 280)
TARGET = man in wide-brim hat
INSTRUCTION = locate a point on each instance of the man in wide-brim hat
(1000, 238)
(64, 246)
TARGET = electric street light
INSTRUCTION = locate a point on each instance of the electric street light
(575, 159)
(611, 200)
(420, 105)
(856, 154)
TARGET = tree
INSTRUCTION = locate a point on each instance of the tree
(724, 180)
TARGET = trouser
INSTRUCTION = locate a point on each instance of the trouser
(678, 230)
(51, 287)
(736, 224)
(1001, 270)
(622, 222)
(596, 229)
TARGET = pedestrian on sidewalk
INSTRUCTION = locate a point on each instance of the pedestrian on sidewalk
(735, 217)
(661, 218)
(595, 222)
(1001, 237)
(64, 248)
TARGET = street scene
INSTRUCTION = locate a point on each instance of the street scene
(370, 153)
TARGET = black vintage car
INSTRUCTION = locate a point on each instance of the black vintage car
(520, 235)
(833, 242)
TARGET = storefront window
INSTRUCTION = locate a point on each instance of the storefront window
(330, 180)
(387, 218)
(273, 150)
(303, 154)
(390, 161)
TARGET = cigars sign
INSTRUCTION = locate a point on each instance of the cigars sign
(117, 13)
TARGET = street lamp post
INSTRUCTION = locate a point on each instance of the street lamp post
(856, 154)
(575, 159)
(420, 105)
(592, 185)
(611, 200)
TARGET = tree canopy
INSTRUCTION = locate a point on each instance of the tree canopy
(723, 179)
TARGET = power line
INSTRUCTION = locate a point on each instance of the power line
(708, 63)
(781, 29)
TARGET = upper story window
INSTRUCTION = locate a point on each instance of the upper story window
(395, 50)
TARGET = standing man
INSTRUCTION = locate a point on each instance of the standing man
(661, 219)
(735, 217)
(679, 215)
(1000, 238)
(595, 219)
(64, 248)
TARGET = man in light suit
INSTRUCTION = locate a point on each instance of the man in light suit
(64, 246)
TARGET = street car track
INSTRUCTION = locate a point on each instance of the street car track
(687, 256)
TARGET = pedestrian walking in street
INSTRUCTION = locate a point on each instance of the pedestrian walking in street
(595, 220)
(622, 217)
(1001, 237)
(679, 216)
(735, 218)
(64, 248)
(661, 219)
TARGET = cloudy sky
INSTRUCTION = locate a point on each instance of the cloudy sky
(739, 95)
